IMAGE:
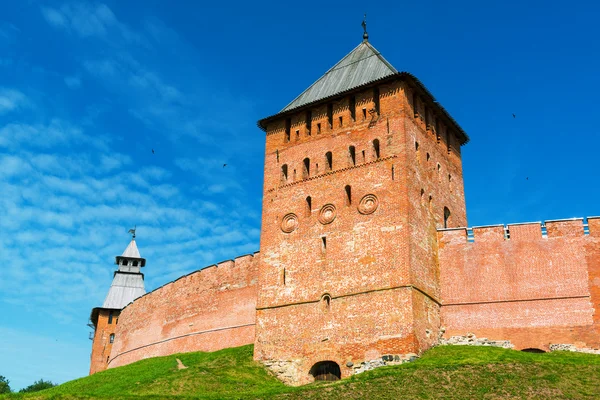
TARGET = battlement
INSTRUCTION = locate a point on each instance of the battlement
(526, 231)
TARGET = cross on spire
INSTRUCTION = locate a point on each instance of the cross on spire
(364, 25)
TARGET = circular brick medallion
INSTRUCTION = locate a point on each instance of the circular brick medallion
(368, 204)
(327, 214)
(289, 223)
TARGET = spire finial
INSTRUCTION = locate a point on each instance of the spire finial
(132, 231)
(364, 25)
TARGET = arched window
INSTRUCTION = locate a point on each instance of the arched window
(135, 263)
(123, 262)
(308, 206)
(284, 172)
(352, 153)
(376, 148)
(329, 157)
(447, 216)
(306, 170)
(112, 338)
(348, 190)
(325, 302)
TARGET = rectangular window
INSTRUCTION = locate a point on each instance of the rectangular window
(110, 317)
(288, 129)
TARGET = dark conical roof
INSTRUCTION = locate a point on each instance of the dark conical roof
(361, 66)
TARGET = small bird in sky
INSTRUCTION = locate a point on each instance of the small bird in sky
(152, 151)
(527, 178)
(514, 116)
(224, 165)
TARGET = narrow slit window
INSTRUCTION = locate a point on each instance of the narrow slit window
(428, 157)
(112, 338)
(323, 244)
(415, 105)
(283, 276)
(352, 107)
(284, 172)
(376, 148)
(352, 153)
(392, 172)
(288, 129)
(297, 134)
(330, 115)
(447, 216)
(329, 158)
(294, 175)
(418, 152)
(363, 156)
(308, 122)
(308, 206)
(348, 190)
(277, 154)
(439, 168)
(364, 111)
(110, 317)
(306, 171)
(319, 128)
(341, 120)
(376, 100)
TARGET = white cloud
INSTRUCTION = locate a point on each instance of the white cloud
(73, 82)
(11, 99)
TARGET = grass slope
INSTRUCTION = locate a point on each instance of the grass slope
(448, 372)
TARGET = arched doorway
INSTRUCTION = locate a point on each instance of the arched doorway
(326, 371)
(533, 350)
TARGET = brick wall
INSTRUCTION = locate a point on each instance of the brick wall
(526, 287)
(207, 310)
(101, 346)
(379, 267)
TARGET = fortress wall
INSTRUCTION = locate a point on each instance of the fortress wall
(532, 288)
(207, 310)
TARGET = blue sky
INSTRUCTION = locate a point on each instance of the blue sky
(88, 89)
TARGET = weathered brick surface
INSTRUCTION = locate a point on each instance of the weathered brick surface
(529, 289)
(208, 310)
(369, 257)
(101, 346)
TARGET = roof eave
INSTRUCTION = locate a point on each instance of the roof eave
(262, 123)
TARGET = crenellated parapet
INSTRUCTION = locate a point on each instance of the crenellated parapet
(531, 281)
(527, 231)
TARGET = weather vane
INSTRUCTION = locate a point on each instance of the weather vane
(132, 231)
(364, 25)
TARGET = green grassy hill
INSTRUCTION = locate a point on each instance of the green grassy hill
(448, 372)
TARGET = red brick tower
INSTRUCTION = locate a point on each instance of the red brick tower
(127, 285)
(360, 170)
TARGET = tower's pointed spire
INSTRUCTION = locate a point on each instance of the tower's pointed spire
(364, 25)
